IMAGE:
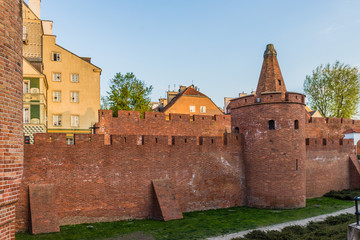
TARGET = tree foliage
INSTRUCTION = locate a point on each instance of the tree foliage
(128, 93)
(333, 90)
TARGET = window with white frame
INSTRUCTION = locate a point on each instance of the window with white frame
(70, 141)
(56, 96)
(203, 109)
(26, 87)
(192, 108)
(57, 120)
(26, 115)
(24, 33)
(57, 77)
(75, 121)
(75, 78)
(74, 97)
(56, 57)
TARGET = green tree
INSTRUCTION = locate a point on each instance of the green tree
(334, 90)
(128, 93)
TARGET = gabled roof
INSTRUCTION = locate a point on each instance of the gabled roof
(27, 6)
(189, 91)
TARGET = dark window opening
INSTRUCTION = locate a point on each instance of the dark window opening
(185, 140)
(307, 141)
(27, 139)
(155, 115)
(212, 141)
(296, 124)
(245, 100)
(236, 130)
(156, 140)
(341, 142)
(324, 141)
(297, 164)
(271, 125)
(124, 139)
(279, 82)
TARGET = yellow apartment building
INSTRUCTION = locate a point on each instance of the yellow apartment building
(74, 89)
(61, 89)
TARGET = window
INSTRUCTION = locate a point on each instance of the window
(75, 78)
(26, 115)
(74, 97)
(57, 120)
(70, 141)
(258, 100)
(74, 120)
(192, 108)
(279, 81)
(203, 109)
(236, 130)
(24, 36)
(57, 77)
(26, 88)
(56, 57)
(56, 96)
(296, 124)
(271, 125)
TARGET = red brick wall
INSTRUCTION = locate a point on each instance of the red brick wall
(271, 156)
(327, 166)
(154, 123)
(329, 127)
(11, 135)
(97, 182)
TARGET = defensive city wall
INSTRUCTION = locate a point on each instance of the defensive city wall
(108, 178)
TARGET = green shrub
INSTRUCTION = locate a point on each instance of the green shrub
(343, 194)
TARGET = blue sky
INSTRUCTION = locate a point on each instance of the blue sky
(216, 44)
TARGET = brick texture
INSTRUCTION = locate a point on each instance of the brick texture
(11, 148)
(328, 165)
(329, 127)
(275, 160)
(97, 182)
(166, 200)
(44, 218)
(154, 123)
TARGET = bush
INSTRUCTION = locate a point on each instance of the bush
(333, 228)
(343, 194)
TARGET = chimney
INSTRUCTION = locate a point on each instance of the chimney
(182, 88)
(35, 7)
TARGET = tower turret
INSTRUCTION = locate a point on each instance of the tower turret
(271, 79)
(272, 122)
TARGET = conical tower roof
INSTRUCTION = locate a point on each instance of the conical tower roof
(270, 79)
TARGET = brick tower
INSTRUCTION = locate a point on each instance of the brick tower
(11, 132)
(272, 121)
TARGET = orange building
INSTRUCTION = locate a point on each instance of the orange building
(190, 101)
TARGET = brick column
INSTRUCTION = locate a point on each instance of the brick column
(11, 133)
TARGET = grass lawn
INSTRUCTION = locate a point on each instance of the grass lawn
(197, 225)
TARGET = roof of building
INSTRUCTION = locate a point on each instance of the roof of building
(270, 79)
(189, 91)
